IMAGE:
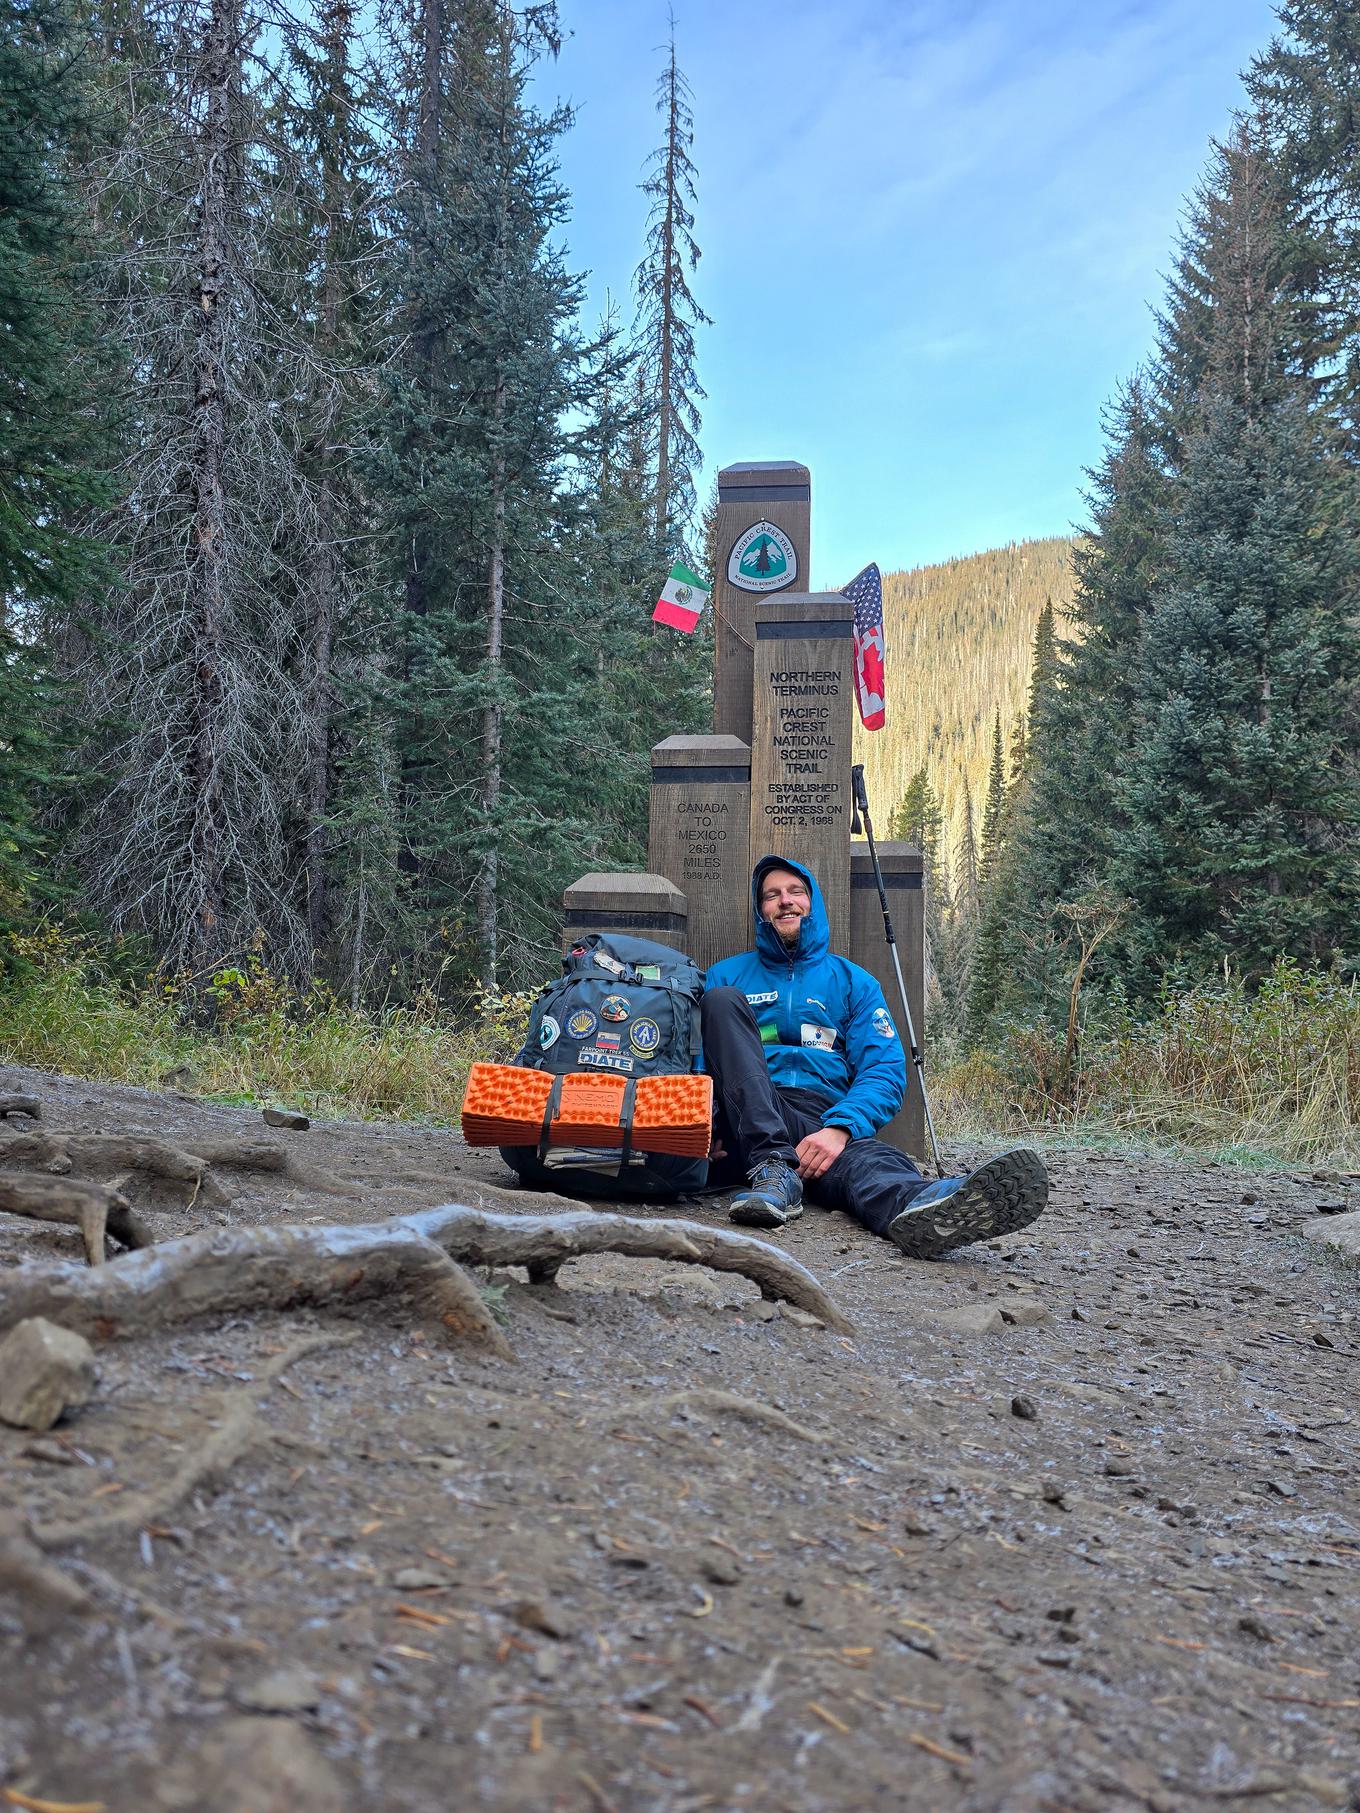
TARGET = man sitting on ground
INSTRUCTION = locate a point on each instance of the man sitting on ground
(807, 1066)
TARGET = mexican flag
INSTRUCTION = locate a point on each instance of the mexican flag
(682, 599)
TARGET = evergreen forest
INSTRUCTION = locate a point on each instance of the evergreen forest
(330, 528)
(1168, 834)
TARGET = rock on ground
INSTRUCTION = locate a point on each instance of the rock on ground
(44, 1371)
(1340, 1233)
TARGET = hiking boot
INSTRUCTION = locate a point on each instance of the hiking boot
(774, 1196)
(1004, 1194)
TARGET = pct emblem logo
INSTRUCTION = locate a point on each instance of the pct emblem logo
(548, 1033)
(883, 1025)
(762, 560)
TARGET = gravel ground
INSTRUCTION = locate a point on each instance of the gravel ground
(1070, 1522)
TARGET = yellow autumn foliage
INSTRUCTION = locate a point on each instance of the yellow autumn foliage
(960, 637)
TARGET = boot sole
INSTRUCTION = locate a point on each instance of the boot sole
(762, 1214)
(1002, 1196)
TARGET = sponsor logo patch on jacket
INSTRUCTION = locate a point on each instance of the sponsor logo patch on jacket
(822, 1037)
(763, 1000)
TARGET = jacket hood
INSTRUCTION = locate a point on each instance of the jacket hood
(814, 935)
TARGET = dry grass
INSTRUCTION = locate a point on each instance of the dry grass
(1274, 1072)
(62, 1012)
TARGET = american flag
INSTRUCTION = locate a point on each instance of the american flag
(865, 592)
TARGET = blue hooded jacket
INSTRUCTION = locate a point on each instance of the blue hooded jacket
(823, 1020)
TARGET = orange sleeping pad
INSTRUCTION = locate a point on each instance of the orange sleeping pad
(504, 1105)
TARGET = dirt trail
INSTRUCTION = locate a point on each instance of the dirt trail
(686, 1552)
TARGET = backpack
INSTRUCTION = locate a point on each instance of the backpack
(626, 1005)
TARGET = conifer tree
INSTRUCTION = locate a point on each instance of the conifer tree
(1304, 87)
(966, 869)
(1004, 962)
(1043, 670)
(324, 232)
(31, 752)
(191, 671)
(475, 424)
(1015, 773)
(668, 313)
(994, 809)
(55, 425)
(621, 675)
(1066, 819)
(959, 936)
(993, 894)
(918, 819)
(54, 428)
(1240, 791)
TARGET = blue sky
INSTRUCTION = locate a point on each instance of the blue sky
(931, 234)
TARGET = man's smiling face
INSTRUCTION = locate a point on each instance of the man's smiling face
(785, 903)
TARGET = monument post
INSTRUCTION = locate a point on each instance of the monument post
(901, 866)
(763, 538)
(800, 745)
(646, 906)
(699, 831)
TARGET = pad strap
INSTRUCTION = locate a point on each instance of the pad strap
(554, 1102)
(626, 1112)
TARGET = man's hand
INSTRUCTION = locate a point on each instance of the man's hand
(820, 1150)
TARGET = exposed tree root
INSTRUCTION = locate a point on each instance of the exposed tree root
(96, 1209)
(546, 1242)
(261, 1155)
(103, 1153)
(239, 1430)
(703, 1397)
(62, 1153)
(230, 1270)
(21, 1104)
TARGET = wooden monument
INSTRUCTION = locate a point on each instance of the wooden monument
(775, 774)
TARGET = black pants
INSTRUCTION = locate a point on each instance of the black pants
(870, 1181)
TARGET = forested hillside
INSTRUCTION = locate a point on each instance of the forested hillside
(960, 639)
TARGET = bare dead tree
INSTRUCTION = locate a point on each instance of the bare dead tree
(207, 673)
(667, 311)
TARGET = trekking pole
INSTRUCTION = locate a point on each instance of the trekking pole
(861, 811)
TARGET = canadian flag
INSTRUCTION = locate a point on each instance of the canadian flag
(865, 592)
